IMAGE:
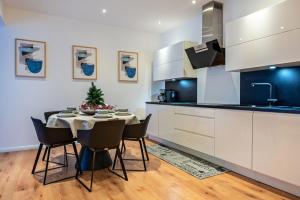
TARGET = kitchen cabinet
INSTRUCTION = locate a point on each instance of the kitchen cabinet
(172, 62)
(194, 128)
(166, 122)
(267, 37)
(276, 146)
(272, 20)
(153, 123)
(233, 136)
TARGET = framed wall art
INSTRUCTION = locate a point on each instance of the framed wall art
(128, 66)
(84, 62)
(30, 58)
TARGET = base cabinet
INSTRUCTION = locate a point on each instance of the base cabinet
(233, 136)
(153, 123)
(268, 143)
(165, 123)
(276, 139)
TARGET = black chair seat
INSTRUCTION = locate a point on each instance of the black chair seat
(136, 132)
(51, 138)
(104, 136)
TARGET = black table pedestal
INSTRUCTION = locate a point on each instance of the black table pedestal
(102, 159)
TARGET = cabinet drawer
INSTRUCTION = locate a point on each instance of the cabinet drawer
(196, 142)
(200, 112)
(194, 124)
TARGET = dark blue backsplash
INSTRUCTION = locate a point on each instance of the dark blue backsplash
(286, 82)
(186, 89)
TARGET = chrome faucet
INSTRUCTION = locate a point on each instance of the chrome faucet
(271, 100)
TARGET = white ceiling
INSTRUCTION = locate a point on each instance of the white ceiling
(137, 14)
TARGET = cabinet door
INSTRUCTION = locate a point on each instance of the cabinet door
(264, 23)
(169, 54)
(233, 136)
(153, 123)
(264, 52)
(166, 125)
(276, 145)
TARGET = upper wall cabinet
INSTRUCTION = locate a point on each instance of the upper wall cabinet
(172, 62)
(267, 37)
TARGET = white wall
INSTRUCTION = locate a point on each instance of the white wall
(1, 14)
(25, 97)
(191, 30)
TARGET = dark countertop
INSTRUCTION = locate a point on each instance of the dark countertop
(276, 109)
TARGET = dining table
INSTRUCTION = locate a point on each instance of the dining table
(83, 121)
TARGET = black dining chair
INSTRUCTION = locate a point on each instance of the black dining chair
(136, 132)
(47, 116)
(105, 135)
(51, 138)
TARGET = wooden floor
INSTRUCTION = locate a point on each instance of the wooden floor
(161, 181)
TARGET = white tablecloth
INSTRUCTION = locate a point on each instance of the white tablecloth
(84, 122)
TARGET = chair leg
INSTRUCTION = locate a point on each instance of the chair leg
(45, 153)
(37, 158)
(145, 147)
(77, 158)
(92, 176)
(93, 167)
(123, 147)
(47, 163)
(122, 163)
(142, 151)
(115, 159)
(65, 156)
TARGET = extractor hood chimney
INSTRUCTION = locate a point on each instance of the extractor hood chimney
(210, 52)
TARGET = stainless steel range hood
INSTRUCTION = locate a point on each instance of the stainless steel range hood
(210, 52)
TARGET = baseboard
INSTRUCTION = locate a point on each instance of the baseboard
(18, 148)
(281, 185)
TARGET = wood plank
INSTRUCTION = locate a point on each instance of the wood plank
(161, 181)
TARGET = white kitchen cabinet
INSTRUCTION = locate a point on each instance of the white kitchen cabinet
(274, 50)
(172, 62)
(276, 19)
(276, 139)
(166, 122)
(233, 136)
(194, 141)
(153, 123)
(194, 128)
(267, 37)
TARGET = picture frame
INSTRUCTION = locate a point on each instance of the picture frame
(84, 62)
(30, 58)
(128, 66)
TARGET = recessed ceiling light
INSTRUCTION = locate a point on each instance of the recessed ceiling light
(159, 22)
(104, 11)
(194, 2)
(282, 27)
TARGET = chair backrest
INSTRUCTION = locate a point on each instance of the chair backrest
(137, 130)
(105, 134)
(146, 123)
(39, 129)
(48, 114)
